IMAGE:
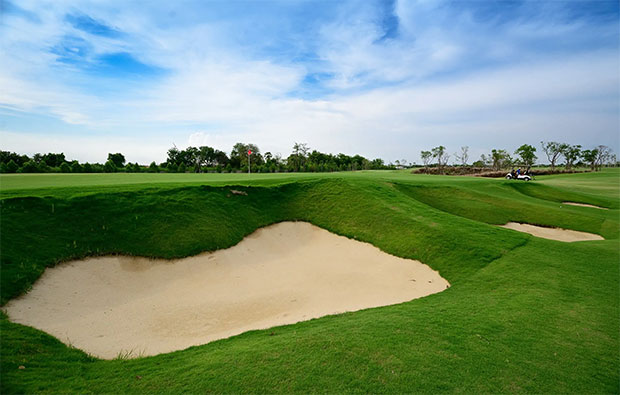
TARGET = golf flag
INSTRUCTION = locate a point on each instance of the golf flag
(249, 152)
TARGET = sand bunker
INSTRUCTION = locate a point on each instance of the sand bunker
(584, 205)
(281, 274)
(552, 233)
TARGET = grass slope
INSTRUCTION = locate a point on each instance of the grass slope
(523, 314)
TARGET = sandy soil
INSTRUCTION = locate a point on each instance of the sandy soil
(552, 233)
(281, 274)
(584, 205)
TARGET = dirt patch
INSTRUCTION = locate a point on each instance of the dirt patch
(584, 205)
(281, 274)
(558, 234)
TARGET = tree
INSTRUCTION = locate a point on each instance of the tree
(463, 157)
(602, 155)
(117, 159)
(65, 168)
(426, 158)
(29, 167)
(553, 150)
(182, 168)
(239, 156)
(500, 159)
(12, 167)
(87, 168)
(571, 153)
(298, 157)
(590, 157)
(439, 153)
(527, 154)
(153, 168)
(109, 167)
(76, 167)
(54, 160)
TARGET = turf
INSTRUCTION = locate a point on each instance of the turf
(523, 314)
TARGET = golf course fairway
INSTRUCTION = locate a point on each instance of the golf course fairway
(522, 313)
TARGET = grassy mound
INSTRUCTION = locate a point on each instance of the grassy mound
(523, 314)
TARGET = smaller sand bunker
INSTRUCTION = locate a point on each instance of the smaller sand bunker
(281, 274)
(584, 205)
(558, 234)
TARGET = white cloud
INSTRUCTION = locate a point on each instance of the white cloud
(389, 97)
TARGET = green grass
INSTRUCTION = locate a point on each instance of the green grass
(523, 314)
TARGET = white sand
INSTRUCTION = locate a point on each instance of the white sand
(281, 274)
(584, 205)
(552, 233)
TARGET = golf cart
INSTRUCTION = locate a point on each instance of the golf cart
(516, 175)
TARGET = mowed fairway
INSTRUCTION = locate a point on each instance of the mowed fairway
(523, 314)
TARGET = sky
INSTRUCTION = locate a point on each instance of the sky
(381, 79)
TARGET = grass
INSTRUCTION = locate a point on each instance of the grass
(523, 314)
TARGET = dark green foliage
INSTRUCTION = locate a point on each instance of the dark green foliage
(109, 167)
(11, 167)
(65, 168)
(29, 167)
(527, 155)
(153, 168)
(76, 167)
(118, 159)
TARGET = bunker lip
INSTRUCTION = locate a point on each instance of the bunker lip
(559, 234)
(278, 275)
(584, 205)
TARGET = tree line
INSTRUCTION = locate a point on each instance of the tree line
(198, 160)
(557, 153)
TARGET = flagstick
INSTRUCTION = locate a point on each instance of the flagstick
(249, 162)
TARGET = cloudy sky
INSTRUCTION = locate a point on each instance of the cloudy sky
(379, 78)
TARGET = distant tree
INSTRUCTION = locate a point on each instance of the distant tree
(54, 160)
(153, 168)
(571, 153)
(439, 153)
(88, 168)
(553, 150)
(65, 168)
(500, 158)
(174, 156)
(29, 167)
(377, 164)
(109, 167)
(239, 156)
(76, 167)
(182, 168)
(527, 154)
(589, 156)
(11, 167)
(602, 155)
(117, 159)
(463, 156)
(297, 159)
(427, 156)
(6, 157)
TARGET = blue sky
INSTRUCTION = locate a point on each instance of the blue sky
(379, 78)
